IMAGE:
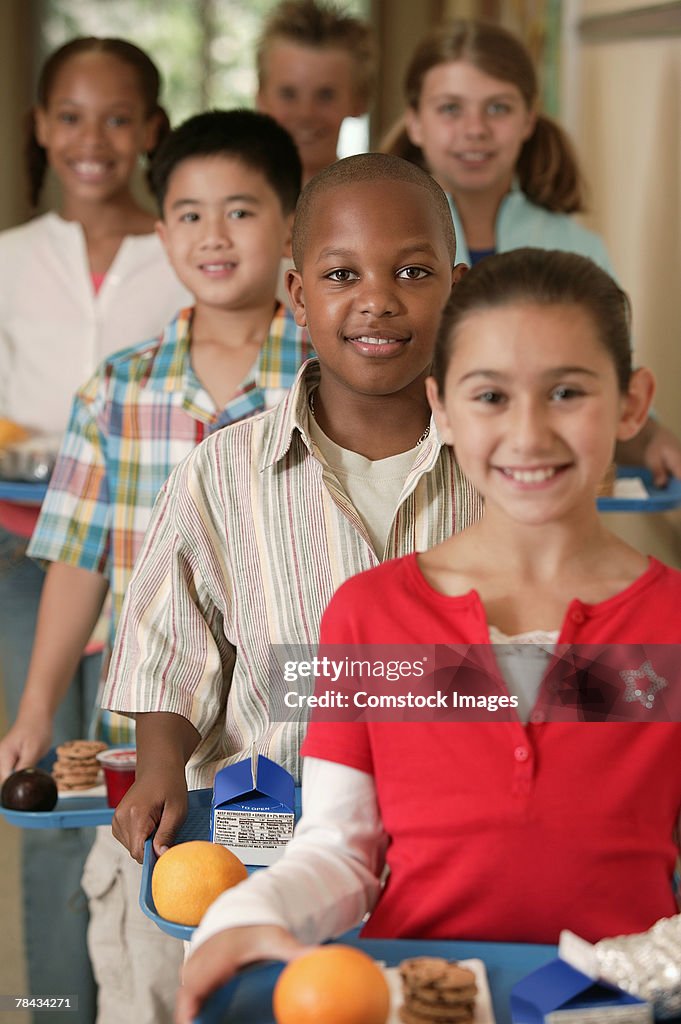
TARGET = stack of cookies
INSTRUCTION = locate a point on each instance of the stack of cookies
(76, 766)
(436, 991)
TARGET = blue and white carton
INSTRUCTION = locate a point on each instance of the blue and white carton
(252, 812)
(558, 993)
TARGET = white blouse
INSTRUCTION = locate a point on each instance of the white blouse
(54, 329)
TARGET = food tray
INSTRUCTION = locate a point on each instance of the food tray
(69, 812)
(195, 826)
(22, 493)
(660, 499)
(247, 999)
(31, 460)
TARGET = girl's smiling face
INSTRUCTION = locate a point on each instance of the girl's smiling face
(95, 126)
(533, 408)
(470, 127)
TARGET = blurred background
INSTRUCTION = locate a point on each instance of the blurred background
(611, 73)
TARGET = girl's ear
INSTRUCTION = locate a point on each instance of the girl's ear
(151, 129)
(294, 286)
(439, 413)
(636, 404)
(412, 125)
(40, 122)
(530, 124)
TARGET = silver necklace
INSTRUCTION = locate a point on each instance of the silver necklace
(310, 402)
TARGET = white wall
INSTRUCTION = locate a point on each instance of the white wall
(625, 116)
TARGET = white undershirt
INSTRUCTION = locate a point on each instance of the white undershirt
(522, 661)
(373, 487)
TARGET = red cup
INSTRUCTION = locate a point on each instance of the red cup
(118, 765)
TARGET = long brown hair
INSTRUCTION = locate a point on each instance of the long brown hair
(149, 83)
(547, 167)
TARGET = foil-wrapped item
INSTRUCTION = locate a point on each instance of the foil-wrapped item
(30, 461)
(647, 965)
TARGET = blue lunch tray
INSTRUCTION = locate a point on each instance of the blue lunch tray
(247, 998)
(23, 492)
(69, 812)
(195, 826)
(660, 499)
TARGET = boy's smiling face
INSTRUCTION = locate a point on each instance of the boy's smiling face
(224, 231)
(375, 277)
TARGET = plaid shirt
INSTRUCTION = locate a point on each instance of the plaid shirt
(141, 413)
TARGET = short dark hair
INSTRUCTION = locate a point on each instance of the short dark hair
(253, 138)
(366, 167)
(546, 278)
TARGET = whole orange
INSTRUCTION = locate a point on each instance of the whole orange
(331, 985)
(189, 876)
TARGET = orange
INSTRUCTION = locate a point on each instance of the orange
(189, 876)
(331, 985)
(11, 432)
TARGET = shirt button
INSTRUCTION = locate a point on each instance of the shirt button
(578, 616)
(521, 754)
(537, 716)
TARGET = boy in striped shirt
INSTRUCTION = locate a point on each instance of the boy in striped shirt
(254, 532)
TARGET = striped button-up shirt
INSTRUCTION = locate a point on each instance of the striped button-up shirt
(131, 424)
(250, 538)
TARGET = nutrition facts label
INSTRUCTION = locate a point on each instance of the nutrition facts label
(265, 830)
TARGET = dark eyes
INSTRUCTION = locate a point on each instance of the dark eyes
(489, 397)
(114, 121)
(342, 274)
(563, 392)
(413, 273)
(492, 109)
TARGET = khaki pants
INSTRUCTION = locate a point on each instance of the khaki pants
(136, 965)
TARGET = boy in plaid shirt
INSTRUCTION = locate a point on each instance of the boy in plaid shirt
(226, 184)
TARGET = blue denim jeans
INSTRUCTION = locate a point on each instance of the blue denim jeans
(55, 907)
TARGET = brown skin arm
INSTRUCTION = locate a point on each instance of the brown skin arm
(158, 797)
